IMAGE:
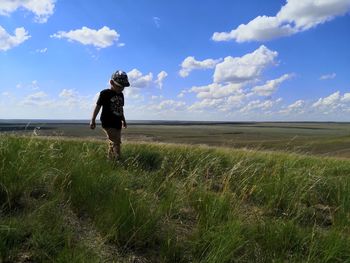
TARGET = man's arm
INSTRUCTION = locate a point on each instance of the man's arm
(124, 121)
(94, 115)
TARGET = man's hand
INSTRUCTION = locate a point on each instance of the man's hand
(124, 124)
(92, 124)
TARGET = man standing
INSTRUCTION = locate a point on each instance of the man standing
(112, 117)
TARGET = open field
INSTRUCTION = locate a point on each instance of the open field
(324, 139)
(62, 201)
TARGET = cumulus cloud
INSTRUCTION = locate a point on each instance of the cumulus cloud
(190, 63)
(38, 99)
(8, 41)
(346, 98)
(298, 107)
(335, 103)
(271, 86)
(42, 9)
(295, 16)
(138, 80)
(182, 94)
(206, 104)
(160, 78)
(66, 103)
(245, 68)
(330, 101)
(67, 98)
(101, 38)
(231, 82)
(261, 28)
(260, 105)
(154, 97)
(216, 90)
(67, 93)
(6, 94)
(72, 99)
(171, 105)
(328, 76)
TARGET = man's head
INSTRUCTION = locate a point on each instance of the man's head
(120, 78)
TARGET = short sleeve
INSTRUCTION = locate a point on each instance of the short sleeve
(100, 99)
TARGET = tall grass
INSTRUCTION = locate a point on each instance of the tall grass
(169, 203)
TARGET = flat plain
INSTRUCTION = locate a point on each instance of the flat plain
(316, 138)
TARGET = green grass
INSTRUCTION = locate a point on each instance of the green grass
(62, 201)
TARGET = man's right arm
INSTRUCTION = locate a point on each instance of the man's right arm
(94, 115)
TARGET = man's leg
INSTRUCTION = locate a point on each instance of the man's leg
(114, 137)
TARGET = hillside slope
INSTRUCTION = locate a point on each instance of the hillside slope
(62, 201)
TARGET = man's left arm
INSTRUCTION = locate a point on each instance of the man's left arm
(124, 122)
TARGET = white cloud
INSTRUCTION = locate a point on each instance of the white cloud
(331, 102)
(171, 105)
(37, 96)
(259, 105)
(182, 94)
(67, 93)
(160, 78)
(101, 38)
(190, 63)
(236, 100)
(245, 68)
(346, 98)
(65, 104)
(261, 28)
(156, 21)
(133, 93)
(138, 80)
(43, 9)
(295, 16)
(67, 99)
(310, 13)
(8, 41)
(72, 99)
(216, 90)
(298, 107)
(154, 97)
(334, 103)
(271, 86)
(231, 78)
(36, 99)
(34, 85)
(206, 104)
(43, 50)
(328, 76)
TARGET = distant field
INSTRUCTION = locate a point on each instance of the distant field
(326, 139)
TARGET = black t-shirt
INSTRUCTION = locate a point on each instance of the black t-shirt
(112, 108)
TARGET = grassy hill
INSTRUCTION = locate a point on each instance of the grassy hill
(62, 201)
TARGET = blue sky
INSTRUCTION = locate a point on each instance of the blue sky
(186, 60)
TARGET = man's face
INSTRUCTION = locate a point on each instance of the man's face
(116, 87)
